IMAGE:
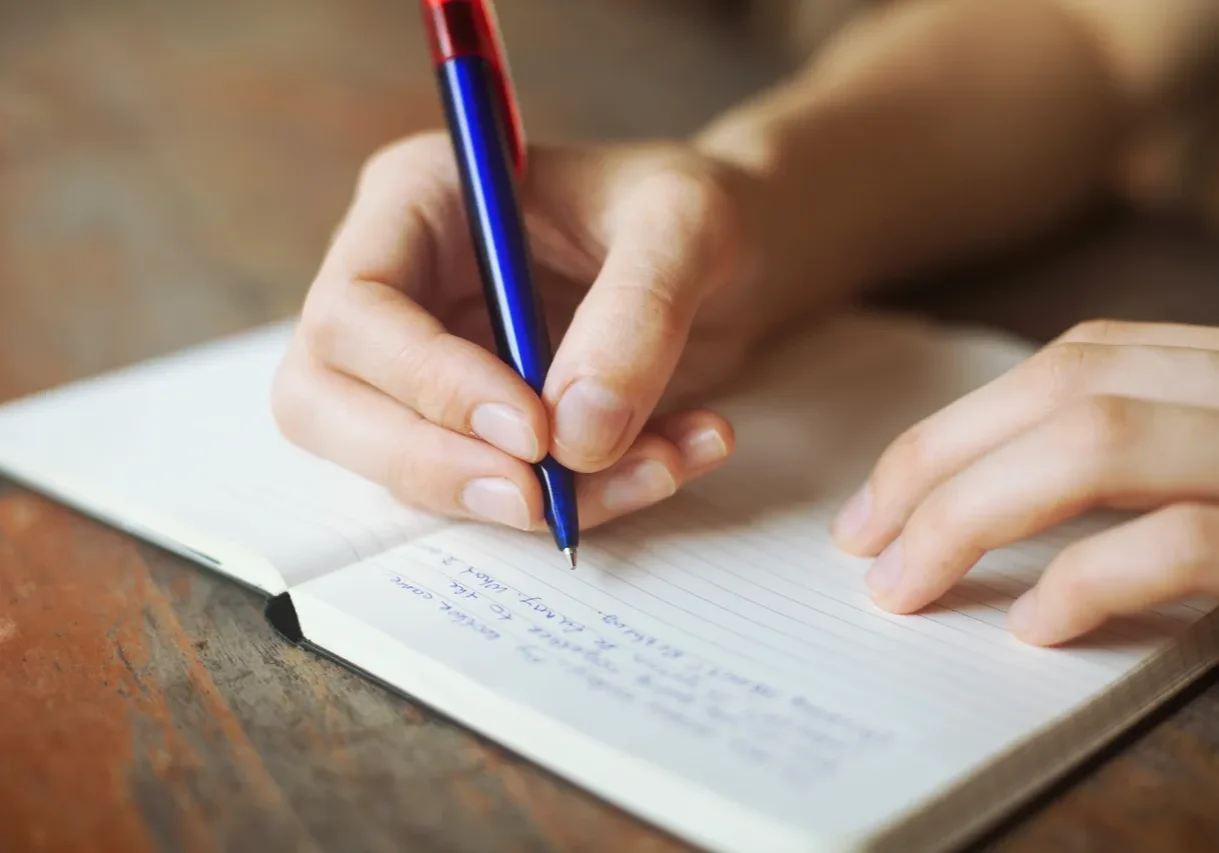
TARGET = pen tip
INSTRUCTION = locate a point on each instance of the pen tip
(570, 554)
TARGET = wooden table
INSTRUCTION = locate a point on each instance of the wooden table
(170, 171)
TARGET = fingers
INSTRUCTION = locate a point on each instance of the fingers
(1111, 414)
(1156, 559)
(360, 321)
(947, 442)
(1095, 453)
(1121, 333)
(674, 450)
(373, 333)
(704, 439)
(668, 249)
(423, 465)
(436, 470)
(381, 386)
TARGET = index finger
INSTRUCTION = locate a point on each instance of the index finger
(670, 246)
(405, 236)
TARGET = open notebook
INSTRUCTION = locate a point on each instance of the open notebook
(714, 665)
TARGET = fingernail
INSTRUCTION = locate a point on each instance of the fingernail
(1022, 615)
(853, 517)
(498, 500)
(703, 449)
(590, 418)
(886, 571)
(641, 484)
(506, 428)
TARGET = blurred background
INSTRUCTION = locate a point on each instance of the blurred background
(171, 170)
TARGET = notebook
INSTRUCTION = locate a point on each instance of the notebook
(714, 665)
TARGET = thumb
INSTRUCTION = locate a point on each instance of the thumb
(670, 236)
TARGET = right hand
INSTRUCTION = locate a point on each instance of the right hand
(391, 371)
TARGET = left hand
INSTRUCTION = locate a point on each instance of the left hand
(1111, 415)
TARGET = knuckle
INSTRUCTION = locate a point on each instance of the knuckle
(436, 396)
(1062, 369)
(700, 205)
(1070, 587)
(654, 302)
(382, 160)
(712, 205)
(290, 403)
(421, 152)
(407, 476)
(1096, 331)
(691, 189)
(902, 462)
(418, 473)
(1103, 424)
(937, 521)
(323, 322)
(1192, 535)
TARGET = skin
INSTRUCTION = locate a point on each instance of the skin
(922, 135)
(1112, 415)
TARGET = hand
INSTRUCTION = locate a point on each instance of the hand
(1113, 415)
(640, 257)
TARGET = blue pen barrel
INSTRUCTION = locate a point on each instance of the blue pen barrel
(467, 85)
(495, 217)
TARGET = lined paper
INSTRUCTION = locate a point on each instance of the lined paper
(722, 638)
(767, 678)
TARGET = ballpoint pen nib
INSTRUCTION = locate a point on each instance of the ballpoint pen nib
(570, 554)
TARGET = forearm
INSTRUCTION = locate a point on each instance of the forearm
(938, 128)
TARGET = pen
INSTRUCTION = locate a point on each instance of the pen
(488, 141)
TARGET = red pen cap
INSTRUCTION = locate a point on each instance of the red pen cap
(459, 28)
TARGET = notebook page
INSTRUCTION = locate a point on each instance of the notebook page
(184, 450)
(715, 664)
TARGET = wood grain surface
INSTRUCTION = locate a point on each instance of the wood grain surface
(170, 171)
